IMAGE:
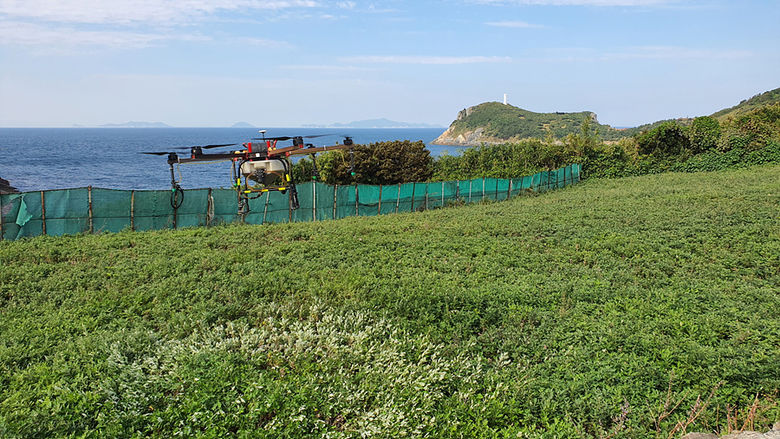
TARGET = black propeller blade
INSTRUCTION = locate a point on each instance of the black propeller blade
(291, 137)
(188, 148)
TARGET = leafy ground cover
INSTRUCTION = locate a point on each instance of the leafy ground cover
(634, 307)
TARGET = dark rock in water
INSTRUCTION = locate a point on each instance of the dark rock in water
(6, 188)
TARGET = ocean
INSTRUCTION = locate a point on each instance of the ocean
(34, 159)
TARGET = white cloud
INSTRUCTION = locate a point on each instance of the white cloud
(676, 53)
(135, 11)
(514, 24)
(56, 39)
(578, 2)
(433, 60)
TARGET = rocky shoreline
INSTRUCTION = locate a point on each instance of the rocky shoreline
(6, 188)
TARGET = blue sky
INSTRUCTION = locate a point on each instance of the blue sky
(276, 63)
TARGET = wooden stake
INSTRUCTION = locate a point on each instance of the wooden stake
(335, 200)
(43, 213)
(379, 209)
(89, 198)
(132, 210)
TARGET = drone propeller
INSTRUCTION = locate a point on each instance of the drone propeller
(189, 148)
(291, 137)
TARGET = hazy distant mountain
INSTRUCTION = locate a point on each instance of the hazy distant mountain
(134, 124)
(376, 123)
(242, 125)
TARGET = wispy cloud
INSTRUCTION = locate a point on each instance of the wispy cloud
(675, 53)
(578, 2)
(431, 60)
(514, 24)
(135, 11)
(63, 39)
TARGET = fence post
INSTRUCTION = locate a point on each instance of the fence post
(132, 210)
(413, 188)
(2, 234)
(471, 182)
(457, 190)
(426, 196)
(43, 213)
(379, 209)
(89, 198)
(509, 191)
(357, 202)
(442, 194)
(398, 199)
(265, 208)
(483, 188)
(335, 199)
(314, 200)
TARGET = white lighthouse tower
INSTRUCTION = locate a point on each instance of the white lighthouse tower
(504, 98)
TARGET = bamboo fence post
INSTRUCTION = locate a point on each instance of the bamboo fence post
(132, 210)
(414, 185)
(2, 233)
(509, 191)
(426, 196)
(471, 182)
(442, 194)
(379, 209)
(43, 213)
(398, 199)
(314, 200)
(483, 188)
(335, 199)
(357, 202)
(457, 190)
(265, 208)
(89, 198)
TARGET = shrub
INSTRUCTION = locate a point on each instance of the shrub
(704, 134)
(669, 138)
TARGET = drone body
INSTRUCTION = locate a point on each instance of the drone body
(258, 168)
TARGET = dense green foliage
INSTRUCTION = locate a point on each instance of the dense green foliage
(577, 313)
(507, 122)
(757, 101)
(377, 163)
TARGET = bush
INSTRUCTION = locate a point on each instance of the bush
(752, 130)
(669, 138)
(704, 134)
(377, 163)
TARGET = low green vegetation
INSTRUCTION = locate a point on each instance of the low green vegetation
(701, 144)
(757, 101)
(506, 122)
(625, 308)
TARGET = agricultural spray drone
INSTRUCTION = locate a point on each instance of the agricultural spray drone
(261, 166)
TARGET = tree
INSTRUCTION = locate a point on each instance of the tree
(704, 134)
(665, 140)
(377, 163)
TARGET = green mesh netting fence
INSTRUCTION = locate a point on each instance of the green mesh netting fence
(95, 210)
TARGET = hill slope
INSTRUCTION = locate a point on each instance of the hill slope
(543, 316)
(494, 122)
(759, 100)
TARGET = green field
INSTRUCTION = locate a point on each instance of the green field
(591, 311)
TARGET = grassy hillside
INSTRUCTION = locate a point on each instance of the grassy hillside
(507, 122)
(757, 101)
(586, 312)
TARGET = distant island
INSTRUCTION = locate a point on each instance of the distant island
(375, 123)
(242, 125)
(134, 124)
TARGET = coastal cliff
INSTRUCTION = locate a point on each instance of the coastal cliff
(494, 122)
